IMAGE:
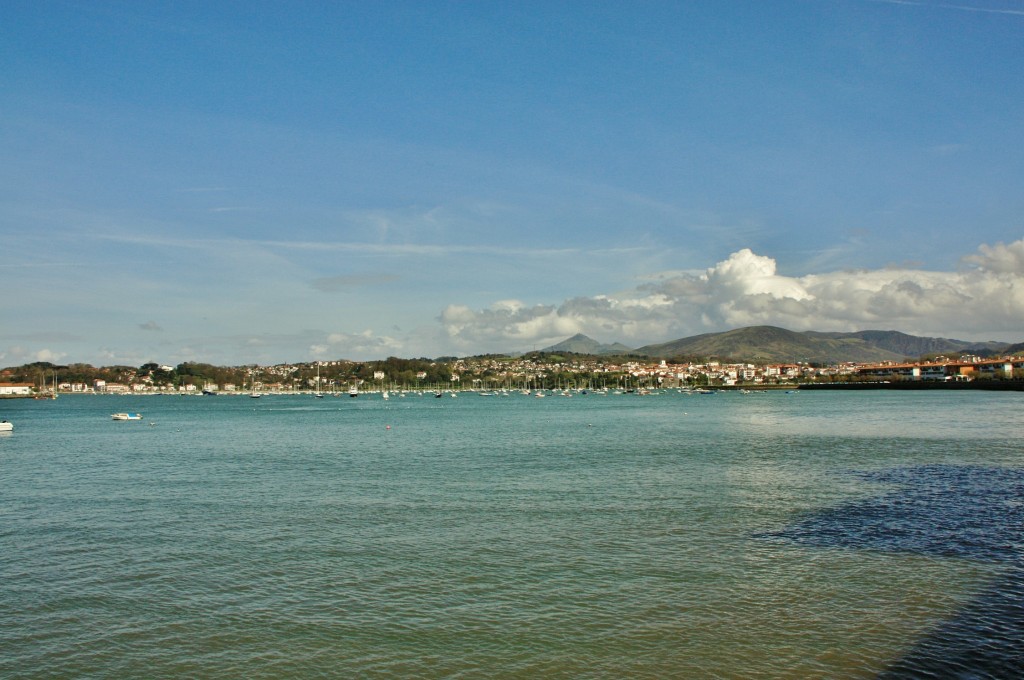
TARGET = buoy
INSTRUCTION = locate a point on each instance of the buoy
(388, 427)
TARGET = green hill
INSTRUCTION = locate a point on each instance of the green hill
(770, 344)
(779, 345)
(915, 346)
(581, 344)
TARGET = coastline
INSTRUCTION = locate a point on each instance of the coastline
(913, 385)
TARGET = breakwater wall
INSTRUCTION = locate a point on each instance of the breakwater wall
(995, 385)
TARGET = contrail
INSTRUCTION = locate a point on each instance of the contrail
(963, 8)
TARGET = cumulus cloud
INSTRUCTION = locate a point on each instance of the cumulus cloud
(508, 321)
(1000, 258)
(150, 326)
(983, 300)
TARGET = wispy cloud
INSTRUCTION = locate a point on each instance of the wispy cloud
(48, 337)
(336, 283)
(420, 249)
(355, 247)
(39, 265)
(962, 8)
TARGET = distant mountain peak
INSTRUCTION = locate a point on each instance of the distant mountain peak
(582, 344)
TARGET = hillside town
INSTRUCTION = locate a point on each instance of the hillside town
(534, 372)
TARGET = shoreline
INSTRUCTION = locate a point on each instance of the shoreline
(912, 385)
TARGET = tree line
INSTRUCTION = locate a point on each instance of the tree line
(299, 376)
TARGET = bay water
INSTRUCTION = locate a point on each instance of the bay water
(766, 535)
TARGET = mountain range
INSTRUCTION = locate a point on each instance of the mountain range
(779, 345)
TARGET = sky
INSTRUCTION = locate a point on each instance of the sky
(269, 182)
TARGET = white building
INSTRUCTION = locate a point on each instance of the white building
(15, 389)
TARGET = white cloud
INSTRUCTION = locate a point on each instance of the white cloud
(985, 300)
(1000, 258)
(508, 321)
(354, 345)
(745, 273)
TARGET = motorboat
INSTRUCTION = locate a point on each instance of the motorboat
(126, 416)
(6, 426)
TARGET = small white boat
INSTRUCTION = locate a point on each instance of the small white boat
(6, 426)
(126, 416)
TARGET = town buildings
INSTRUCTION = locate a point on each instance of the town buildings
(548, 371)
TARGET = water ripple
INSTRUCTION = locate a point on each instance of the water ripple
(508, 539)
(967, 512)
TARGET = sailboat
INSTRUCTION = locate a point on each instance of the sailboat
(317, 393)
(42, 392)
(254, 394)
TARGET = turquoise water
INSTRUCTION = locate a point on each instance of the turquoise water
(771, 535)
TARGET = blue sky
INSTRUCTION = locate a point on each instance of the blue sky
(259, 182)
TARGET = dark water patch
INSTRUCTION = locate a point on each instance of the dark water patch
(970, 512)
(936, 510)
(984, 640)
